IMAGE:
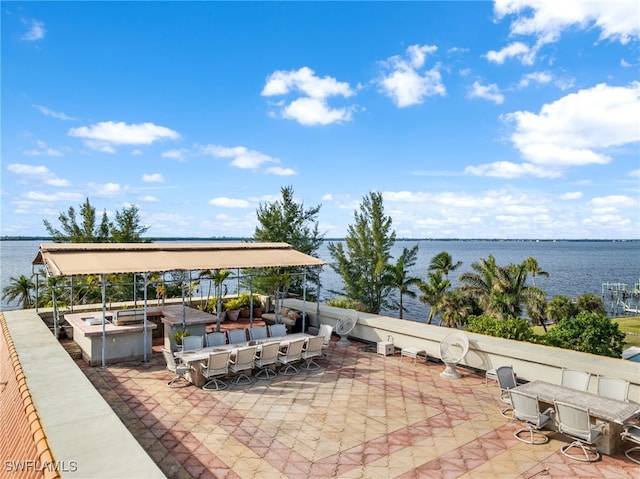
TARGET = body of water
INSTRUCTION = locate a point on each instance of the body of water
(574, 267)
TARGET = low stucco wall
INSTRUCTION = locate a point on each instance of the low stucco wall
(530, 361)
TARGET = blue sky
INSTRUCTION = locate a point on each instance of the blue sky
(513, 119)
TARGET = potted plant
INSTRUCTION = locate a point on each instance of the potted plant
(244, 301)
(179, 334)
(257, 306)
(233, 308)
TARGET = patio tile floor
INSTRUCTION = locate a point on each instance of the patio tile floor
(362, 415)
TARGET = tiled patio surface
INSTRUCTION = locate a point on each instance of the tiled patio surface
(362, 415)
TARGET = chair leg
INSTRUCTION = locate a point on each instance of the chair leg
(179, 382)
(310, 365)
(214, 384)
(266, 373)
(589, 454)
(507, 412)
(535, 437)
(241, 380)
(289, 370)
(629, 452)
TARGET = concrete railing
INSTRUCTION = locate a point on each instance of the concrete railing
(530, 361)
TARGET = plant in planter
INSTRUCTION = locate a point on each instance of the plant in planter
(233, 308)
(179, 334)
(257, 306)
(244, 300)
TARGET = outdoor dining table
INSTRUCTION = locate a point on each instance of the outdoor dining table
(194, 356)
(612, 412)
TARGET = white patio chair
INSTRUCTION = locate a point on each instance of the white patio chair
(237, 336)
(312, 349)
(264, 360)
(241, 362)
(614, 388)
(190, 343)
(325, 331)
(526, 408)
(453, 349)
(575, 379)
(178, 368)
(506, 381)
(290, 354)
(257, 332)
(631, 433)
(575, 422)
(278, 330)
(216, 367)
(216, 339)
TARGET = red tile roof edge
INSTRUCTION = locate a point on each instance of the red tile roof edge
(44, 460)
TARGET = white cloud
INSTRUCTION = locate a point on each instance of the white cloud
(55, 114)
(137, 152)
(488, 92)
(537, 77)
(516, 49)
(40, 172)
(547, 19)
(279, 171)
(241, 156)
(43, 150)
(229, 202)
(575, 129)
(405, 84)
(176, 154)
(105, 189)
(572, 195)
(149, 199)
(49, 198)
(104, 135)
(507, 169)
(35, 32)
(153, 178)
(312, 107)
(613, 201)
(634, 173)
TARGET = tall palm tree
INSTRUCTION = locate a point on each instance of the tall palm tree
(398, 275)
(531, 266)
(455, 308)
(432, 292)
(443, 263)
(19, 289)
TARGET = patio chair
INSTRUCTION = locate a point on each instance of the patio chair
(237, 336)
(278, 330)
(453, 349)
(614, 388)
(325, 331)
(264, 360)
(506, 381)
(575, 379)
(178, 368)
(241, 362)
(575, 422)
(312, 349)
(291, 353)
(526, 408)
(257, 332)
(216, 367)
(190, 343)
(631, 433)
(216, 339)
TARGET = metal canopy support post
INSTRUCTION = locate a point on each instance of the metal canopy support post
(145, 276)
(184, 308)
(55, 310)
(103, 281)
(304, 300)
(251, 301)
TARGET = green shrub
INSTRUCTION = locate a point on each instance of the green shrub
(345, 303)
(589, 333)
(509, 328)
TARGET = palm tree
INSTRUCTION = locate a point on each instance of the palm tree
(455, 308)
(443, 262)
(559, 308)
(397, 275)
(19, 289)
(531, 266)
(432, 292)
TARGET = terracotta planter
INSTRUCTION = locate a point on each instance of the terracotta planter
(245, 313)
(257, 312)
(233, 314)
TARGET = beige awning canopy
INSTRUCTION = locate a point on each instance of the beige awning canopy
(69, 259)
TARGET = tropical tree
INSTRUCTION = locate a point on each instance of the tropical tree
(531, 266)
(86, 232)
(559, 308)
(362, 260)
(398, 276)
(536, 309)
(287, 221)
(19, 290)
(443, 263)
(127, 227)
(433, 291)
(455, 308)
(592, 303)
